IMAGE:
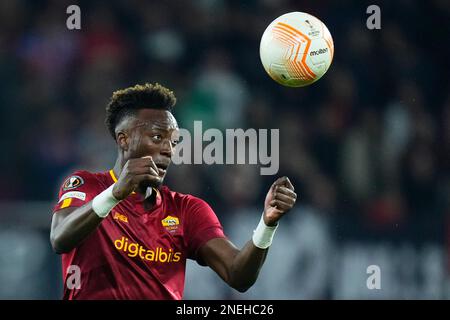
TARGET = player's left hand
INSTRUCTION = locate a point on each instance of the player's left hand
(279, 200)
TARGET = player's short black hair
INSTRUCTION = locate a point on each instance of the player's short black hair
(127, 101)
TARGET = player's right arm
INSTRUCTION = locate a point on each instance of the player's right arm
(71, 225)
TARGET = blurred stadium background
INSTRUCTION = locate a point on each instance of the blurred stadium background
(367, 147)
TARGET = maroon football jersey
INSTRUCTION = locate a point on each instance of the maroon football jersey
(134, 253)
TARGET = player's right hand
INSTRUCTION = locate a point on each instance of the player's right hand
(136, 173)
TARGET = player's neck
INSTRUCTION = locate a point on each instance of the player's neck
(150, 201)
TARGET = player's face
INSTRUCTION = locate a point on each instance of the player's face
(155, 133)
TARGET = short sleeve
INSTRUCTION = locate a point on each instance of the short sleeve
(203, 225)
(77, 189)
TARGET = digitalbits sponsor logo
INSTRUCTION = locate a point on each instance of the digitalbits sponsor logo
(133, 249)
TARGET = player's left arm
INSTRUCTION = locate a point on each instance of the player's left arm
(240, 268)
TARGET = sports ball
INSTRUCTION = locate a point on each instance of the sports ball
(296, 49)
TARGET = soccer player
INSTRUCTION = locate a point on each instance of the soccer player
(128, 235)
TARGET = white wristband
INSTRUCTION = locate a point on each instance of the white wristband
(103, 203)
(263, 235)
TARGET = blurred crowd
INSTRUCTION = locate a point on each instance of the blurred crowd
(367, 146)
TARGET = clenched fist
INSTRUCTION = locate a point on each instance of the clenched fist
(279, 200)
(137, 174)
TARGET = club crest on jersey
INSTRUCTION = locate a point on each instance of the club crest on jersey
(73, 182)
(170, 223)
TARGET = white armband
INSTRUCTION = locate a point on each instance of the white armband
(103, 203)
(263, 235)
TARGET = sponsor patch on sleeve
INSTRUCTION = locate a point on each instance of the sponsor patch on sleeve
(67, 202)
(73, 194)
(72, 182)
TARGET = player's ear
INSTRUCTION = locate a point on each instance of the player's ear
(122, 140)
